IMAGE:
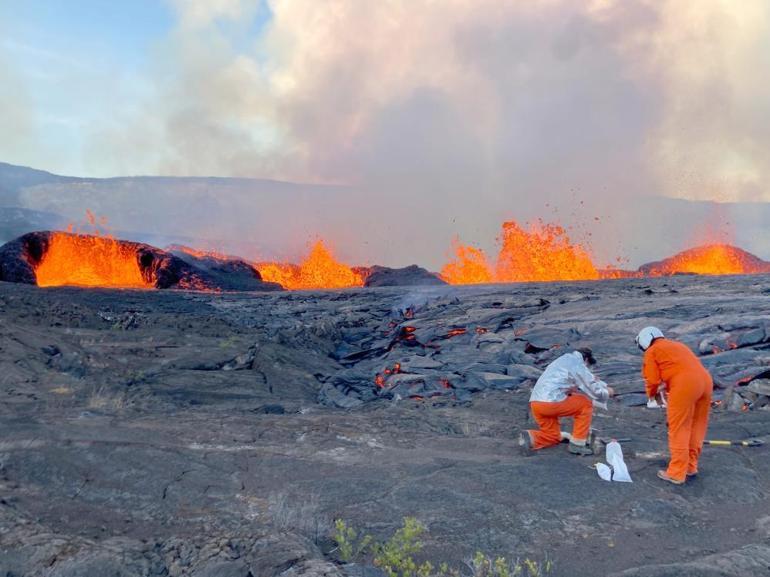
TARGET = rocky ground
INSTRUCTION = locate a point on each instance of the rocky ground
(171, 433)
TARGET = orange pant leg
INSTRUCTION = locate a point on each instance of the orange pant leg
(700, 423)
(547, 416)
(684, 393)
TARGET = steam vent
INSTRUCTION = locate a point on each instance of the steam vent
(66, 259)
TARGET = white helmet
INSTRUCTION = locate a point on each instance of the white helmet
(646, 336)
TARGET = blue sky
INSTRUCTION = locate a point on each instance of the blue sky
(74, 64)
(99, 32)
(65, 57)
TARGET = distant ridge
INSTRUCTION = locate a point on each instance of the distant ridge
(242, 213)
(22, 176)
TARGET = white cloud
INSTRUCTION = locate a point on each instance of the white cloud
(710, 59)
(201, 13)
(622, 95)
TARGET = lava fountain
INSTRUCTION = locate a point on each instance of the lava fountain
(540, 252)
(89, 261)
(319, 270)
(469, 266)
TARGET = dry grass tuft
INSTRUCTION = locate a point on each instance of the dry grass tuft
(102, 399)
(301, 515)
(62, 390)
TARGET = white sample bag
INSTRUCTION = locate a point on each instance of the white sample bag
(653, 403)
(616, 470)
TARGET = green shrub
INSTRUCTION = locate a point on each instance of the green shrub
(484, 566)
(396, 555)
(348, 543)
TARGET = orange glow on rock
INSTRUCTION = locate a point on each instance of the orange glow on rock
(456, 332)
(197, 253)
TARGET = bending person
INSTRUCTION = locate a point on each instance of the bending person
(689, 387)
(567, 388)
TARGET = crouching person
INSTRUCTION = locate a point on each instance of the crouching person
(567, 388)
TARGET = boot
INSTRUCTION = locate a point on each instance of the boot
(665, 476)
(582, 450)
(525, 444)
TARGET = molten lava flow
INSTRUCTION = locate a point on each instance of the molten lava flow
(319, 270)
(715, 259)
(542, 253)
(89, 261)
(379, 378)
(469, 266)
(284, 274)
(456, 332)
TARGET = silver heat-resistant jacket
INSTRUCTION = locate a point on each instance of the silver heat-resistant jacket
(564, 373)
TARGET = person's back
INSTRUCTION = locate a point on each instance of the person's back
(666, 360)
(555, 380)
(565, 374)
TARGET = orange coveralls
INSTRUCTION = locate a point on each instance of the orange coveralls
(689, 401)
(552, 399)
(547, 418)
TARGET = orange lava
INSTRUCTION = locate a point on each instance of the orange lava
(319, 270)
(541, 252)
(714, 259)
(89, 261)
(470, 266)
(285, 274)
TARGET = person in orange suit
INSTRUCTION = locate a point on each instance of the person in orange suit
(689, 387)
(567, 388)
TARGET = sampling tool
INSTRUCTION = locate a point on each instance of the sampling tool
(725, 443)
